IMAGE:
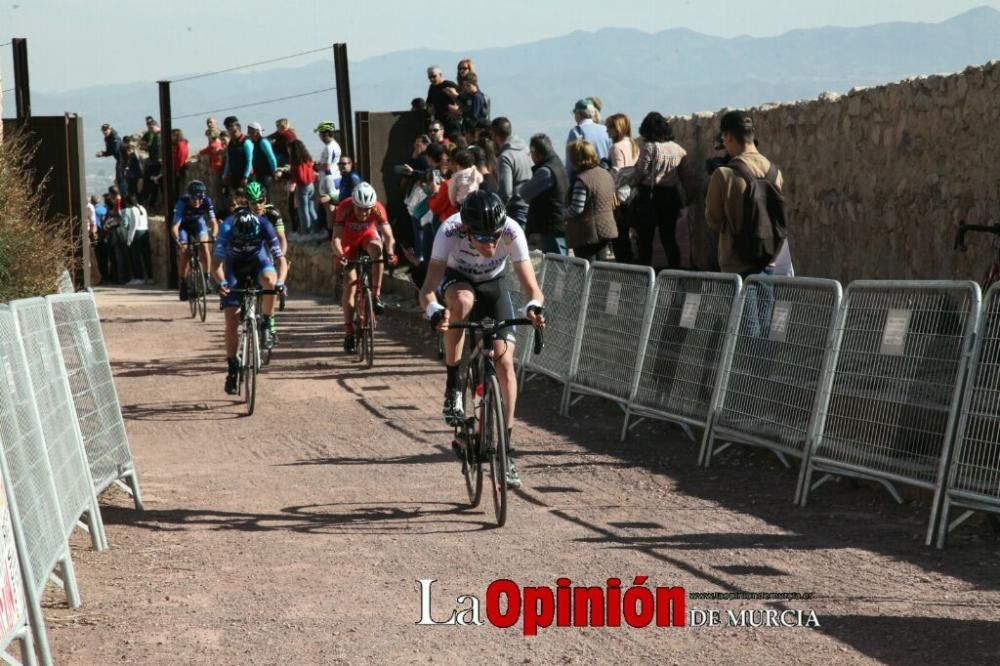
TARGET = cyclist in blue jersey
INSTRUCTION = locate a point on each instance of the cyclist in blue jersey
(190, 215)
(244, 248)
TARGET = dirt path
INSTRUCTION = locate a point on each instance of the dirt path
(297, 536)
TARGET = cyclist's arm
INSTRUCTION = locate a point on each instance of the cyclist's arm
(335, 243)
(390, 240)
(282, 265)
(428, 292)
(178, 216)
(529, 285)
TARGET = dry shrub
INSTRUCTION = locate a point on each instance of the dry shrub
(34, 248)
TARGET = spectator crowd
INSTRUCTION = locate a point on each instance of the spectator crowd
(601, 194)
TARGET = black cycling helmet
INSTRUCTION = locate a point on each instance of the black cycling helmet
(246, 225)
(483, 212)
(196, 188)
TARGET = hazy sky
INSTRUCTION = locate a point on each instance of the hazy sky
(78, 43)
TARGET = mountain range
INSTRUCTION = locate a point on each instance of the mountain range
(675, 71)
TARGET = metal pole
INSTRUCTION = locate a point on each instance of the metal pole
(22, 88)
(169, 177)
(344, 110)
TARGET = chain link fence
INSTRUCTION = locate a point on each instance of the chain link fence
(564, 284)
(974, 477)
(893, 398)
(687, 338)
(771, 381)
(615, 328)
(60, 429)
(85, 357)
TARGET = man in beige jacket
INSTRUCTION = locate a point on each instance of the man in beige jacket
(726, 192)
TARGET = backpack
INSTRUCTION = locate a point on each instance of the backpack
(764, 226)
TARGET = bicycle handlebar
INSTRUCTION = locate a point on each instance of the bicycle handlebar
(256, 291)
(979, 228)
(499, 326)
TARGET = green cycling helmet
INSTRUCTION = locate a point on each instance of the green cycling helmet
(254, 192)
(325, 126)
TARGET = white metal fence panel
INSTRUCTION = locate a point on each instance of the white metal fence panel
(564, 284)
(893, 397)
(770, 386)
(60, 429)
(13, 604)
(91, 382)
(615, 327)
(692, 314)
(974, 477)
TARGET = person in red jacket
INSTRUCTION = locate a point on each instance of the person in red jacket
(180, 147)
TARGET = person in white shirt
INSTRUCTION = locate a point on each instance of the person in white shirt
(136, 221)
(326, 165)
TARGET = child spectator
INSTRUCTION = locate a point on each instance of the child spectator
(465, 179)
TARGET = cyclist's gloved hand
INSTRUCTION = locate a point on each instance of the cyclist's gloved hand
(533, 311)
(280, 287)
(393, 259)
(437, 318)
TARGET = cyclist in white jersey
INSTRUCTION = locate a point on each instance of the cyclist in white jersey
(467, 262)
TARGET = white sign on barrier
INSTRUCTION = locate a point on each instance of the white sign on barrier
(9, 376)
(560, 286)
(897, 323)
(689, 313)
(11, 592)
(779, 321)
(614, 297)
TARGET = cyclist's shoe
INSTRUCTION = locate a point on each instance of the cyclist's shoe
(231, 387)
(184, 290)
(453, 410)
(350, 347)
(377, 305)
(513, 478)
(209, 285)
(270, 333)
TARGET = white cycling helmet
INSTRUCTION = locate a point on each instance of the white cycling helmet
(364, 195)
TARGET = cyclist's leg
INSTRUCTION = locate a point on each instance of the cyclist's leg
(348, 294)
(182, 251)
(267, 278)
(230, 305)
(204, 248)
(495, 302)
(460, 299)
(374, 249)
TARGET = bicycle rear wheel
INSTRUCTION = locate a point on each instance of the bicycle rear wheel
(252, 361)
(201, 289)
(494, 444)
(241, 356)
(472, 463)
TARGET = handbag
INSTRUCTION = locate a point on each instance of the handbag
(623, 186)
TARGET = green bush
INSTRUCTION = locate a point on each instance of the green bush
(34, 248)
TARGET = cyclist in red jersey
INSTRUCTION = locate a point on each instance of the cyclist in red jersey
(357, 224)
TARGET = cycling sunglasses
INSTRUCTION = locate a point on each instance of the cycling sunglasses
(198, 197)
(488, 238)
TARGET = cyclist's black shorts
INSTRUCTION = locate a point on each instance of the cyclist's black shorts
(492, 300)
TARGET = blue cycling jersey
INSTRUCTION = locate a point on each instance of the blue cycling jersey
(229, 248)
(186, 213)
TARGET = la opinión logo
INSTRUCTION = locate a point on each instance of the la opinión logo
(565, 605)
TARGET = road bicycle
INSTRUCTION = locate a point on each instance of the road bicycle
(993, 272)
(481, 437)
(197, 285)
(364, 308)
(249, 346)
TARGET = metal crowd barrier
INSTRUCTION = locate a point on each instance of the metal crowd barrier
(35, 512)
(95, 399)
(14, 624)
(60, 428)
(615, 328)
(974, 476)
(564, 284)
(893, 398)
(691, 317)
(769, 389)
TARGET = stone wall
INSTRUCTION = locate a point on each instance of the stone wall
(876, 180)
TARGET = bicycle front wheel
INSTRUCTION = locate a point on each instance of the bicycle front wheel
(368, 332)
(494, 444)
(472, 463)
(252, 361)
(192, 291)
(201, 288)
